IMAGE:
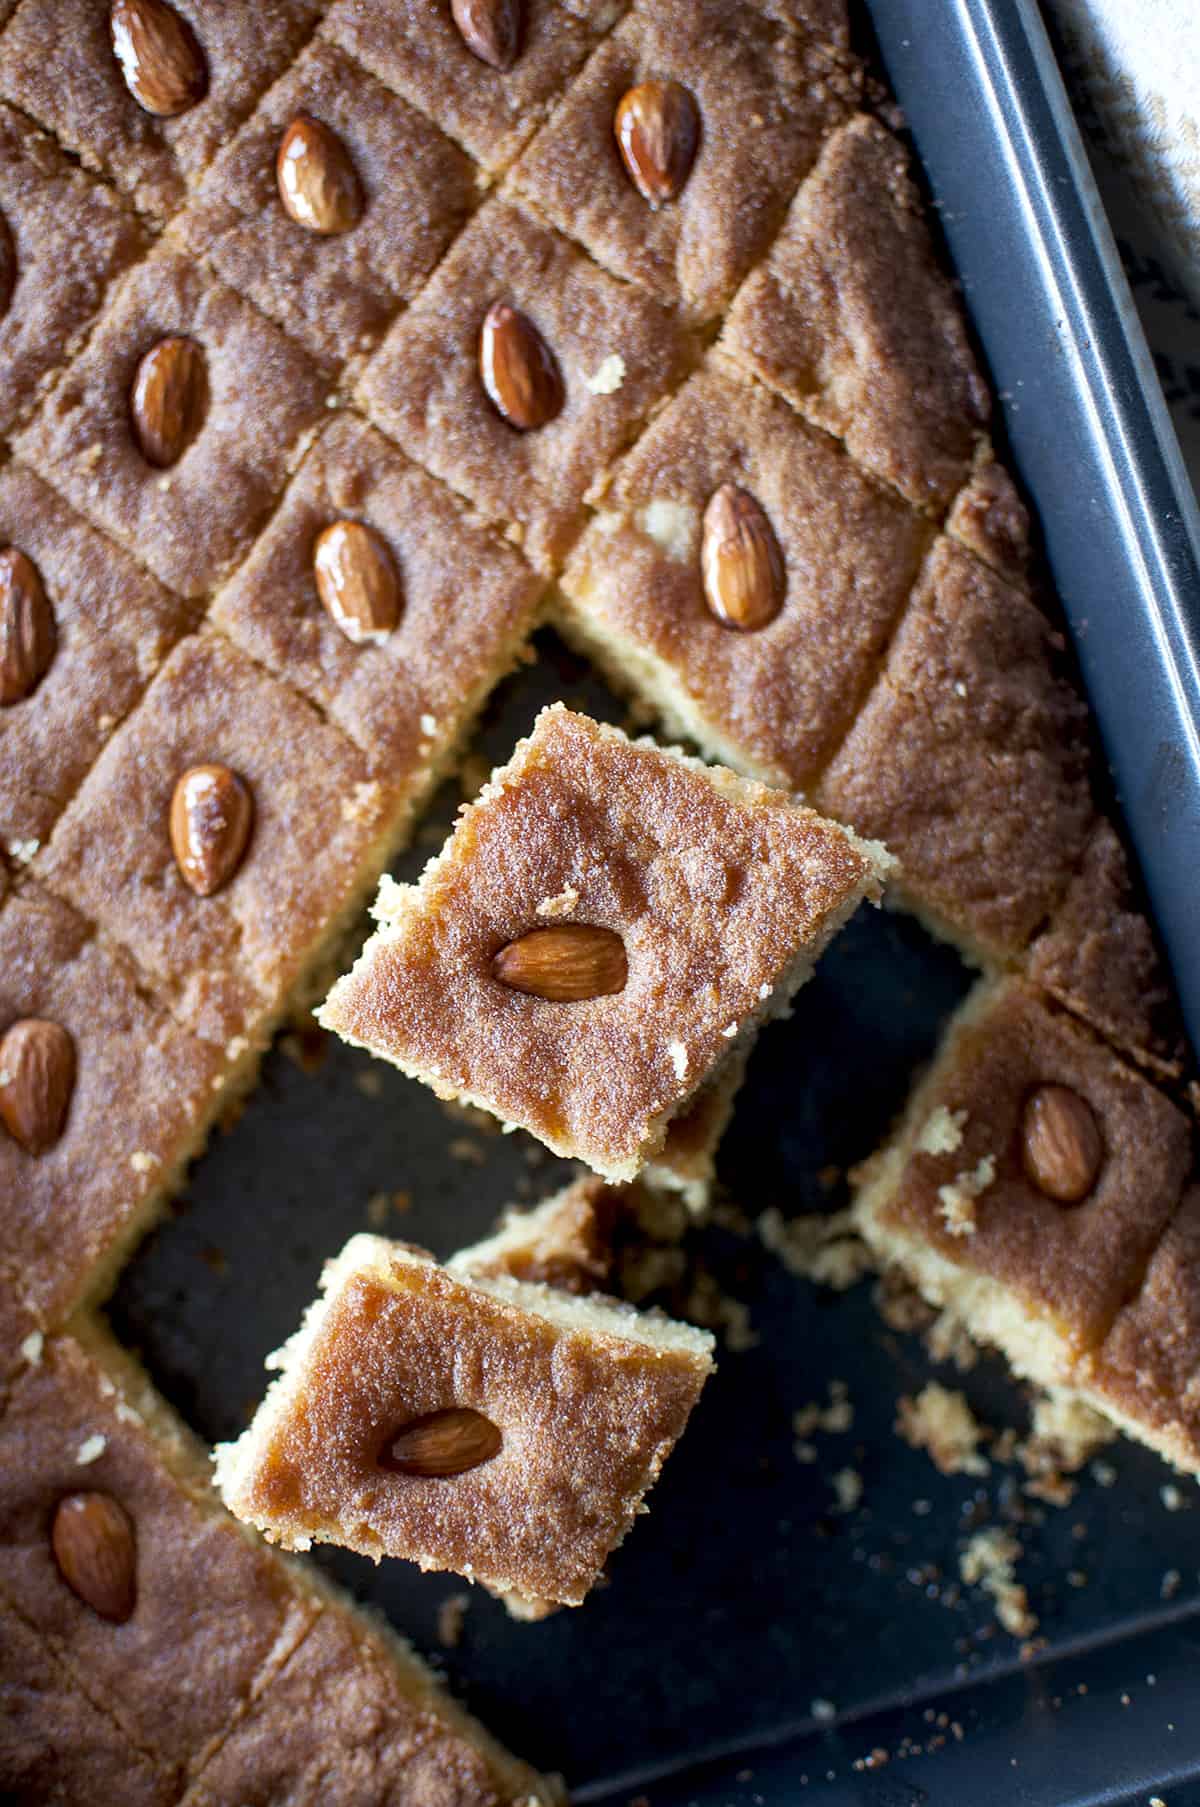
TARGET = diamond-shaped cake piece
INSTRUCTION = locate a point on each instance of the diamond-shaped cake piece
(502, 1430)
(606, 924)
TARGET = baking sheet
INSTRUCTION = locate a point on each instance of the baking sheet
(747, 1608)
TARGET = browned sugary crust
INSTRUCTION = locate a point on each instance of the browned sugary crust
(970, 758)
(114, 626)
(851, 318)
(1098, 957)
(1148, 1370)
(215, 1613)
(56, 1749)
(191, 522)
(142, 1087)
(587, 1421)
(56, 62)
(469, 601)
(340, 1725)
(714, 893)
(990, 519)
(415, 48)
(423, 387)
(322, 827)
(1075, 1265)
(777, 701)
(766, 96)
(71, 237)
(335, 293)
(827, 20)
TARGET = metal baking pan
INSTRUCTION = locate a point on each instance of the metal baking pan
(755, 1645)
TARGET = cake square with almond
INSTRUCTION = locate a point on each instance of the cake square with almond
(520, 371)
(103, 1098)
(488, 91)
(607, 923)
(103, 628)
(973, 721)
(150, 123)
(1029, 1183)
(376, 594)
(168, 1616)
(745, 576)
(674, 155)
(176, 429)
(63, 238)
(224, 836)
(505, 1431)
(851, 318)
(331, 205)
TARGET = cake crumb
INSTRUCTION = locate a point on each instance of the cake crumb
(957, 1200)
(672, 526)
(429, 725)
(943, 1424)
(988, 1561)
(679, 1058)
(450, 1616)
(23, 852)
(461, 1148)
(381, 1205)
(1171, 1497)
(363, 801)
(561, 905)
(31, 1348)
(823, 1711)
(836, 1417)
(847, 1484)
(943, 1131)
(825, 1249)
(608, 375)
(141, 1162)
(91, 1449)
(369, 1082)
(1064, 1435)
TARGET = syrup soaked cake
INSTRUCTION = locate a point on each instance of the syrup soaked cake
(607, 924)
(342, 344)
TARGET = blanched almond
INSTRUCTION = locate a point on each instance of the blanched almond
(658, 132)
(37, 1078)
(356, 581)
(27, 631)
(169, 400)
(161, 61)
(1061, 1147)
(443, 1443)
(520, 372)
(740, 561)
(93, 1542)
(490, 29)
(565, 964)
(211, 815)
(318, 183)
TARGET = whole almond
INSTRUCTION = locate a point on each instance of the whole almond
(94, 1546)
(519, 370)
(443, 1443)
(490, 29)
(356, 581)
(211, 815)
(1061, 1146)
(318, 183)
(657, 128)
(37, 1078)
(740, 561)
(27, 631)
(169, 400)
(161, 61)
(565, 964)
(8, 266)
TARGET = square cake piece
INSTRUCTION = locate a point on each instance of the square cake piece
(169, 1617)
(852, 320)
(186, 509)
(134, 1099)
(760, 97)
(354, 1719)
(606, 923)
(463, 603)
(320, 829)
(1029, 1183)
(70, 236)
(113, 626)
(616, 354)
(57, 63)
(505, 1431)
(970, 758)
(410, 190)
(416, 48)
(771, 693)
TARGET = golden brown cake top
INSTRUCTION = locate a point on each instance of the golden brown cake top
(715, 886)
